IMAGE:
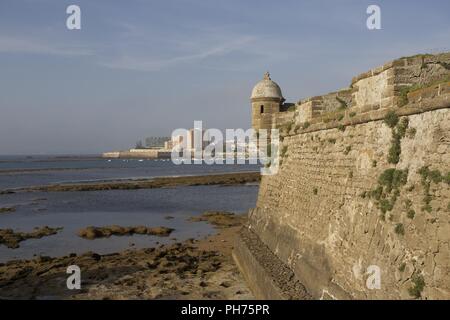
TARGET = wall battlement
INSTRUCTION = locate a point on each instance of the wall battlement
(380, 88)
(363, 185)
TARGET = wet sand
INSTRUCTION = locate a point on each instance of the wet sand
(194, 269)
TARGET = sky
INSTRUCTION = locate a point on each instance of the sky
(144, 68)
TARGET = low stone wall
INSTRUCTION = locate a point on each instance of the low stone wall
(283, 118)
(268, 277)
(139, 154)
(113, 154)
(419, 101)
(317, 106)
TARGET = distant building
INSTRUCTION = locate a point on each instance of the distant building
(178, 141)
(156, 142)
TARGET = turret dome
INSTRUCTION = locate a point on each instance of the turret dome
(267, 88)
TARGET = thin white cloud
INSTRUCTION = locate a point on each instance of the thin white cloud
(139, 63)
(10, 44)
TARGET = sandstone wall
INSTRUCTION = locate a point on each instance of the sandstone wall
(282, 118)
(323, 214)
(375, 91)
(312, 214)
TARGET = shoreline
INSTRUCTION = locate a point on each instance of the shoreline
(156, 182)
(193, 269)
(47, 158)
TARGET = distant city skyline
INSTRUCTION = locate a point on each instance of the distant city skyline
(144, 68)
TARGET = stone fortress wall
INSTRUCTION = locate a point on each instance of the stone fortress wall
(364, 181)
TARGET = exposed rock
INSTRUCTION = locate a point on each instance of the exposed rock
(11, 239)
(183, 270)
(220, 219)
(7, 209)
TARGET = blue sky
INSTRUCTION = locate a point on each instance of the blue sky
(143, 68)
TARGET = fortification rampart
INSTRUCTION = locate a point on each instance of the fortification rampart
(364, 182)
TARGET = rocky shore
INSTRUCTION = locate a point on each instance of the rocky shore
(194, 269)
(105, 232)
(159, 182)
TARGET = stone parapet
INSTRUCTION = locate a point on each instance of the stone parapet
(385, 87)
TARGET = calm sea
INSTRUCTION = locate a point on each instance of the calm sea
(75, 210)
